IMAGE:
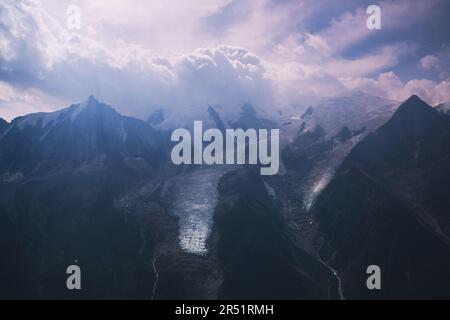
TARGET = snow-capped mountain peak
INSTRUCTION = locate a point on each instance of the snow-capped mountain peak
(80, 134)
(356, 111)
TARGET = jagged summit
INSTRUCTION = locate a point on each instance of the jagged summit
(91, 106)
(79, 134)
(414, 97)
(92, 98)
(415, 112)
(93, 102)
(416, 131)
(414, 102)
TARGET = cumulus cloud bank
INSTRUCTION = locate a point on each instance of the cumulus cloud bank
(39, 53)
(186, 56)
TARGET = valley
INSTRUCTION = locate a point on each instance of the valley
(99, 188)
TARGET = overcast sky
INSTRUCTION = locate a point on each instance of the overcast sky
(141, 55)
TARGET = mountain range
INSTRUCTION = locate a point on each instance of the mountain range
(388, 205)
(81, 136)
(365, 181)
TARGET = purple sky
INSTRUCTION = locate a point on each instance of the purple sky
(142, 55)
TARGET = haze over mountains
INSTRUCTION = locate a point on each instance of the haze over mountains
(365, 181)
(82, 135)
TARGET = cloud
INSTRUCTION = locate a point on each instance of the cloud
(165, 27)
(383, 58)
(141, 56)
(348, 29)
(15, 101)
(256, 24)
(389, 85)
(304, 71)
(429, 62)
(396, 16)
(436, 64)
(50, 59)
(225, 75)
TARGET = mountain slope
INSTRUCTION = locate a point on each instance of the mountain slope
(86, 134)
(325, 135)
(411, 152)
(387, 205)
(253, 248)
(61, 175)
(3, 126)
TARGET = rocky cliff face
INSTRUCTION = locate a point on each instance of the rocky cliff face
(387, 206)
(253, 247)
